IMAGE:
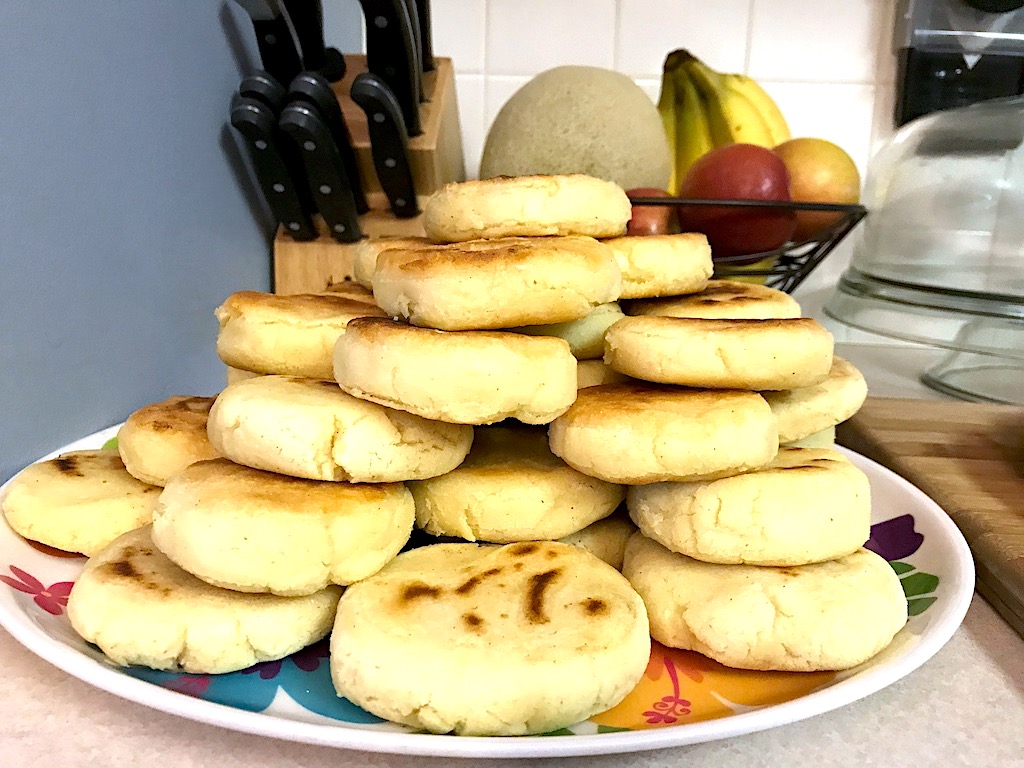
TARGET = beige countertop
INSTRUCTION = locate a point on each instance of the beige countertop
(964, 707)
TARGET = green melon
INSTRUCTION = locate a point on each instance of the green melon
(577, 119)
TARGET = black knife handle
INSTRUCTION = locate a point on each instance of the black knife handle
(314, 89)
(324, 169)
(426, 41)
(278, 51)
(264, 87)
(307, 17)
(390, 54)
(389, 143)
(255, 122)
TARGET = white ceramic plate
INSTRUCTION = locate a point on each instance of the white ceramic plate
(683, 697)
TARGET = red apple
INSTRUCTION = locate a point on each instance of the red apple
(649, 219)
(738, 172)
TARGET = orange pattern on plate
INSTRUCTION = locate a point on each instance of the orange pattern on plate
(686, 687)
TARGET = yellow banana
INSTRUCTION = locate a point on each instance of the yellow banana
(667, 110)
(693, 132)
(765, 104)
(732, 116)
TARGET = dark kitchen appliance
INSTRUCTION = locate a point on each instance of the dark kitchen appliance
(951, 53)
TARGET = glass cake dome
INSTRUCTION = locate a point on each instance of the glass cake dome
(939, 259)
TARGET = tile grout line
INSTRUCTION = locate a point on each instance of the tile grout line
(483, 32)
(485, 66)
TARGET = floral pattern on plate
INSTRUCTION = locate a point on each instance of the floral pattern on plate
(677, 687)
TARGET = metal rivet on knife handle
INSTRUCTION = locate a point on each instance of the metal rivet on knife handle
(314, 89)
(280, 179)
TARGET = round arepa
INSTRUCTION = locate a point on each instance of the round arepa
(140, 608)
(806, 506)
(511, 640)
(461, 377)
(637, 433)
(78, 502)
(721, 354)
(722, 300)
(290, 335)
(254, 531)
(526, 206)
(312, 429)
(159, 440)
(512, 488)
(825, 616)
(490, 284)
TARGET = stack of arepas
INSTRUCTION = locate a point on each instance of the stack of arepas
(501, 386)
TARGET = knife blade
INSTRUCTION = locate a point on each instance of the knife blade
(389, 142)
(257, 124)
(307, 17)
(324, 168)
(314, 89)
(417, 45)
(278, 51)
(426, 41)
(391, 54)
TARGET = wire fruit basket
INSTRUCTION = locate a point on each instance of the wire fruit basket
(783, 268)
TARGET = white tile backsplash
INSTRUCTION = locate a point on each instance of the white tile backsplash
(525, 37)
(649, 29)
(839, 112)
(811, 41)
(459, 31)
(472, 120)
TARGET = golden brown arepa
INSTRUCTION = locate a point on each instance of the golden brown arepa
(721, 354)
(312, 429)
(590, 373)
(806, 506)
(489, 284)
(721, 300)
(806, 411)
(512, 488)
(159, 440)
(803, 618)
(366, 251)
(606, 539)
(141, 608)
(637, 433)
(255, 531)
(662, 265)
(78, 502)
(461, 377)
(290, 335)
(523, 638)
(526, 206)
(584, 336)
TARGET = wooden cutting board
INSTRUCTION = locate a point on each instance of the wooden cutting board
(969, 458)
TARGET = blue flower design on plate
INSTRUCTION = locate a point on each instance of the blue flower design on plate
(305, 676)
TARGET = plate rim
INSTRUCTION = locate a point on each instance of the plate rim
(339, 735)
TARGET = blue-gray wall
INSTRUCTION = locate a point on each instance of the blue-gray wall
(125, 211)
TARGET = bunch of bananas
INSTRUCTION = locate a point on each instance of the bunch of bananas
(703, 109)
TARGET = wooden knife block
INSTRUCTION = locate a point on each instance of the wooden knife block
(435, 157)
